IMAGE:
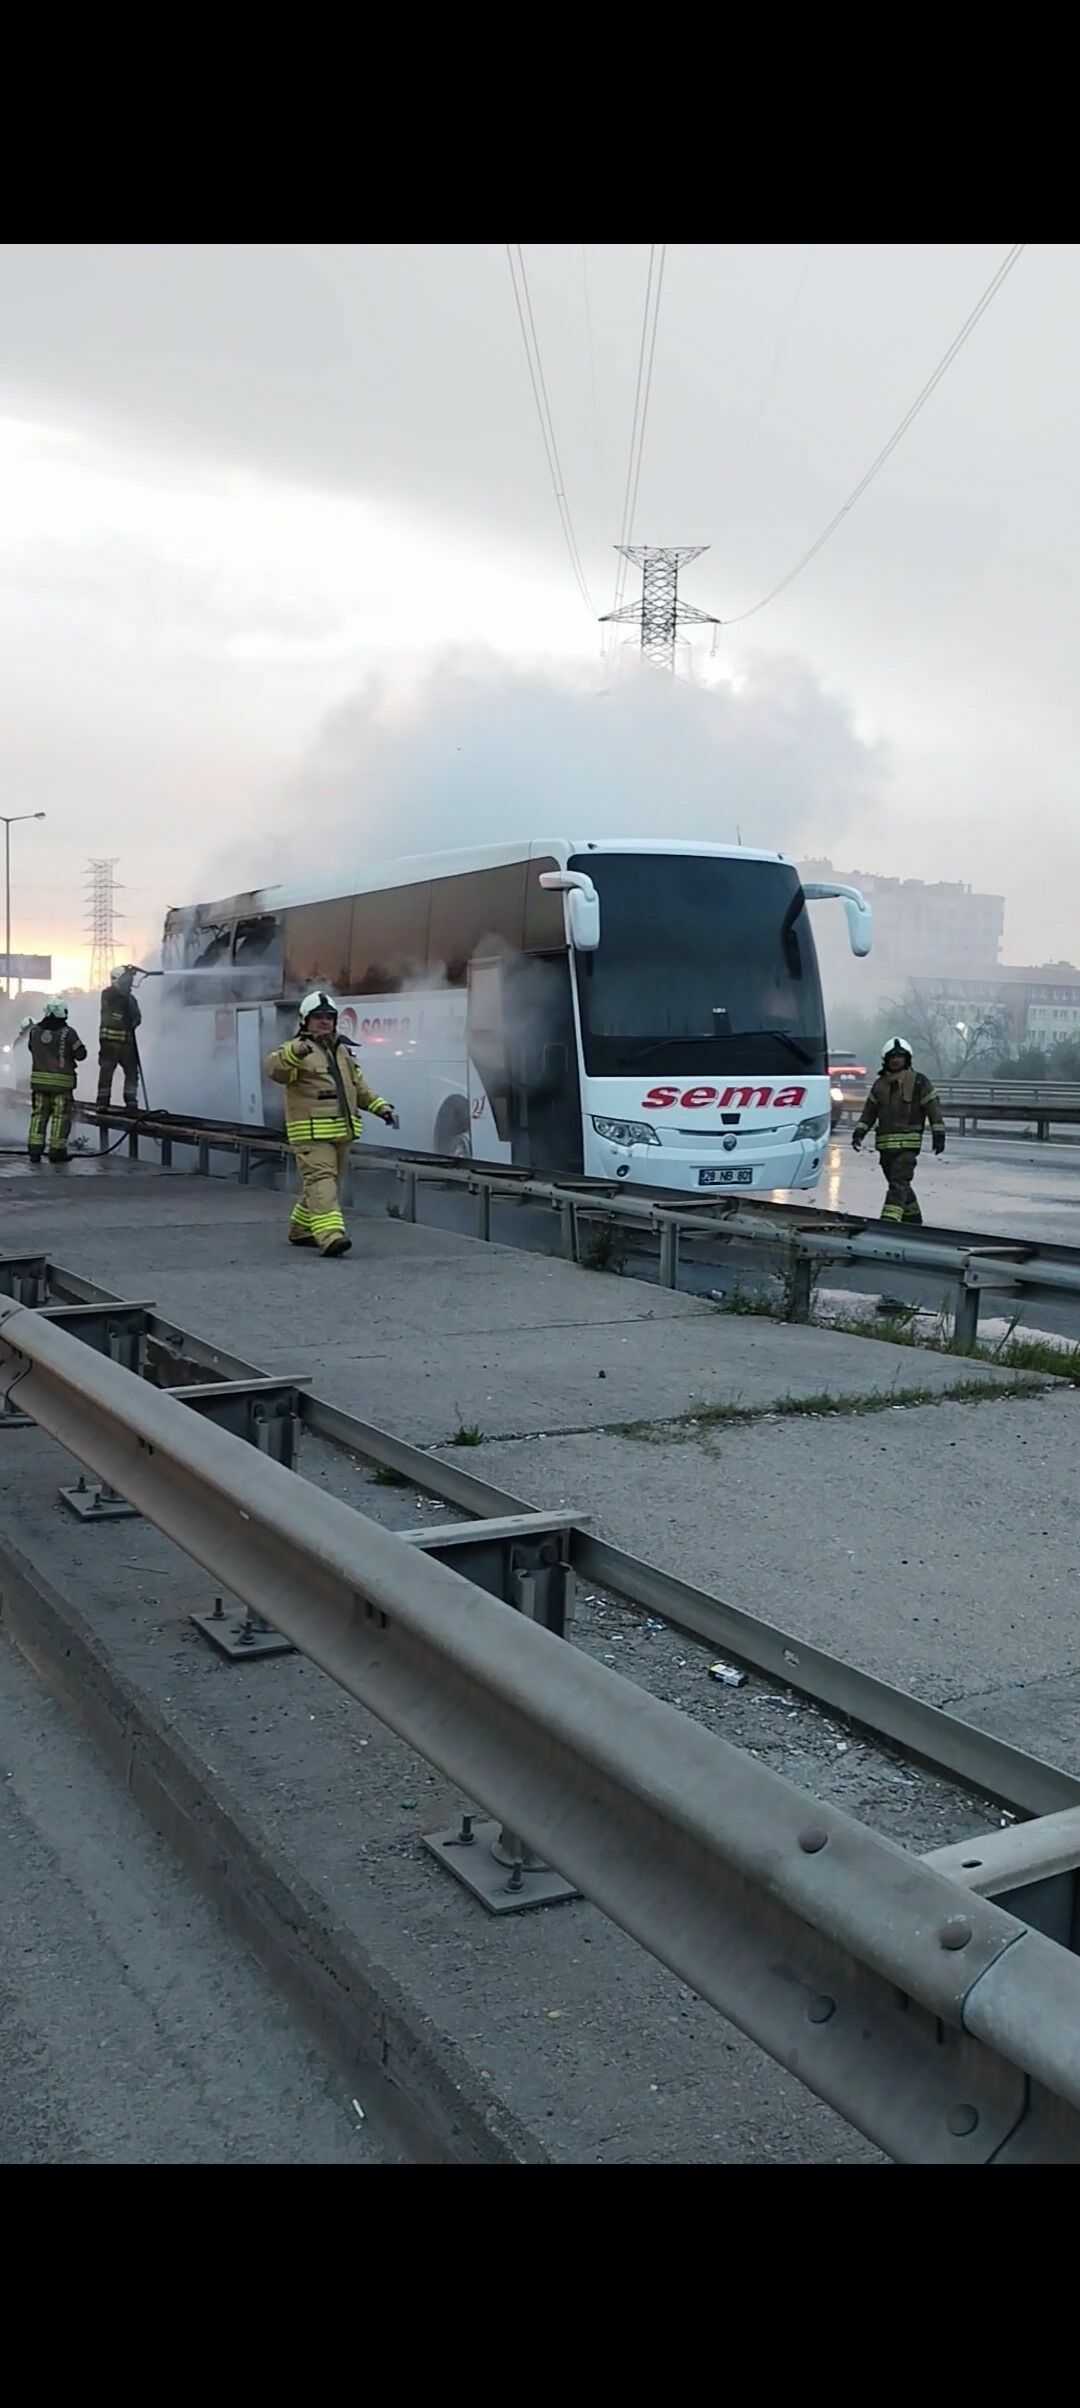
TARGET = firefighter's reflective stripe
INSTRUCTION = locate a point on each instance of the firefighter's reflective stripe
(52, 1082)
(50, 1114)
(892, 1212)
(313, 1222)
(318, 1132)
(899, 1141)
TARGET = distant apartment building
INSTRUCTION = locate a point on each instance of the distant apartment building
(921, 930)
(1039, 1005)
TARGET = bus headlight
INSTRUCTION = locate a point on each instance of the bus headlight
(626, 1132)
(812, 1129)
(837, 1094)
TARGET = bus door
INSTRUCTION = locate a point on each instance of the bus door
(256, 1035)
(523, 1061)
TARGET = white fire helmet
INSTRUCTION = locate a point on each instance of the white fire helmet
(896, 1045)
(318, 1001)
(56, 1010)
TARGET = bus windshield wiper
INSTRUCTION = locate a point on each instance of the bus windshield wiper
(779, 1036)
(670, 1045)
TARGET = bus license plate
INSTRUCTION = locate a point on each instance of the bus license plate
(719, 1178)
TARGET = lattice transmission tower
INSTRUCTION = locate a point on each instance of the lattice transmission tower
(660, 613)
(102, 918)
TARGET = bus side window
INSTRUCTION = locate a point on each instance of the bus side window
(389, 939)
(545, 925)
(208, 946)
(317, 946)
(482, 910)
(257, 951)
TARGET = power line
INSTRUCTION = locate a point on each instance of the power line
(957, 344)
(543, 411)
(592, 354)
(641, 411)
(785, 329)
(648, 390)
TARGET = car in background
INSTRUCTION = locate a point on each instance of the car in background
(848, 1082)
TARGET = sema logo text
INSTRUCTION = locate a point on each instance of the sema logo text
(726, 1099)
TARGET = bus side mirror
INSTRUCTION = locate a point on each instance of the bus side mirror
(583, 908)
(860, 918)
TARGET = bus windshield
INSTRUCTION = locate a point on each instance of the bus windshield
(705, 964)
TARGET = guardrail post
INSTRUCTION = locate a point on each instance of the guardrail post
(204, 1157)
(568, 1229)
(965, 1319)
(1042, 1129)
(133, 1145)
(102, 1138)
(800, 1288)
(669, 1254)
(166, 1153)
(243, 1155)
(408, 1182)
(483, 1211)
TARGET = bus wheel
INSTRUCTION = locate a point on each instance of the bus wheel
(452, 1130)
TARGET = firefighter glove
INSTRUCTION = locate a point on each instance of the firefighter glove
(857, 1136)
(939, 1141)
(390, 1117)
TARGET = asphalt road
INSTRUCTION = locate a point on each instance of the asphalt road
(134, 2031)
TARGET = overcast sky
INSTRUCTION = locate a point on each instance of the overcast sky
(282, 572)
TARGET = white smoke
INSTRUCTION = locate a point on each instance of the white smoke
(481, 750)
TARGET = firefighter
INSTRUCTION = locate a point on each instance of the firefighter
(117, 1049)
(325, 1094)
(55, 1051)
(901, 1101)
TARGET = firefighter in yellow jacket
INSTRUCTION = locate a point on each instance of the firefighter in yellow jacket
(325, 1094)
(901, 1101)
(56, 1049)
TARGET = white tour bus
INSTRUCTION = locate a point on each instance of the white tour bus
(650, 1012)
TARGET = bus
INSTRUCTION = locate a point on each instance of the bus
(643, 1012)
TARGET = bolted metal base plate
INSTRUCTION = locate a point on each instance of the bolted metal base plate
(471, 1860)
(239, 1635)
(91, 1505)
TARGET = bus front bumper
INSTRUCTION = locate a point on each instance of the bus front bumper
(750, 1170)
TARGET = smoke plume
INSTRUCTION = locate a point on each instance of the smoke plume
(481, 750)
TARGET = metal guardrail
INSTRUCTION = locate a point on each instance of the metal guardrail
(1046, 1102)
(800, 1234)
(958, 1751)
(943, 2027)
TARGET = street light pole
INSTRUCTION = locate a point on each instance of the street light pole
(11, 820)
